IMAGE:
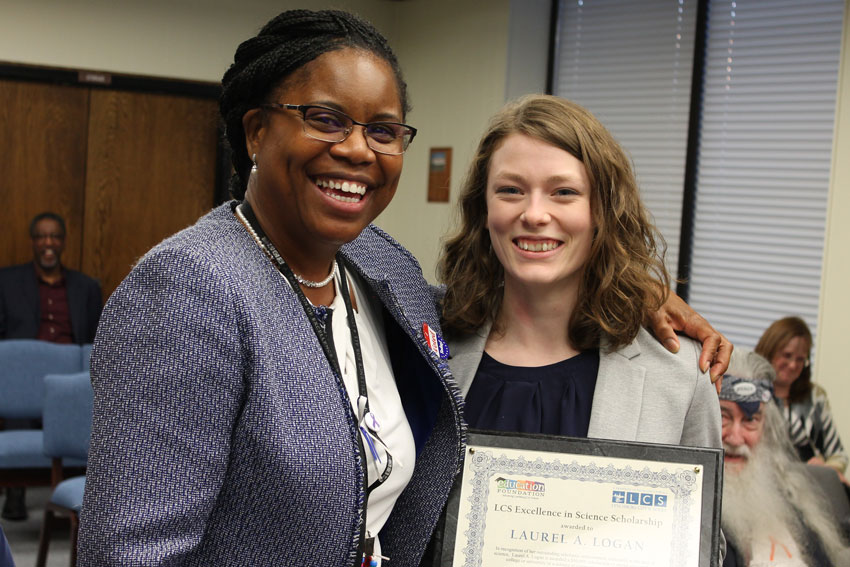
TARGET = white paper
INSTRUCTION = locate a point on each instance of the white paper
(521, 507)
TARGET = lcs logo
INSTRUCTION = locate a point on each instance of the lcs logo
(639, 498)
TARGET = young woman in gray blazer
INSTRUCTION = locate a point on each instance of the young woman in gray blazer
(548, 280)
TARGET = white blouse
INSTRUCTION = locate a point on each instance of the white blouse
(384, 401)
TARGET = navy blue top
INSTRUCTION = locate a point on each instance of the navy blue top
(555, 399)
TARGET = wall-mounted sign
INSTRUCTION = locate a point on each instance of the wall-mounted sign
(439, 174)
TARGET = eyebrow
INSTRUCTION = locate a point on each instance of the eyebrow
(380, 117)
(729, 413)
(553, 180)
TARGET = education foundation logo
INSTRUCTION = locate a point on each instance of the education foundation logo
(518, 487)
(639, 499)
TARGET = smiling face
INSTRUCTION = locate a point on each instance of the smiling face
(538, 213)
(741, 433)
(48, 243)
(790, 360)
(313, 196)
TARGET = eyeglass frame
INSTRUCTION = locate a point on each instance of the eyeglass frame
(303, 108)
(804, 362)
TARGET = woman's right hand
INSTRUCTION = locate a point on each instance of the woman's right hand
(676, 315)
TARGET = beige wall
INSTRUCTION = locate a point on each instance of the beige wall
(830, 368)
(185, 39)
(454, 56)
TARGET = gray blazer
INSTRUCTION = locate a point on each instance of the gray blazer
(643, 392)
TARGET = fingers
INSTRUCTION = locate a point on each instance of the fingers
(716, 349)
(715, 355)
(676, 315)
(664, 331)
(710, 347)
(721, 359)
(671, 344)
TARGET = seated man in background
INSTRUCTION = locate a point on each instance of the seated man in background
(44, 300)
(773, 512)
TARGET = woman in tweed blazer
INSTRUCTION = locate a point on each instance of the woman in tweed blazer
(224, 434)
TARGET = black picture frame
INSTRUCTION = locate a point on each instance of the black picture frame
(710, 459)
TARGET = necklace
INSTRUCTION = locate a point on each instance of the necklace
(323, 283)
(258, 240)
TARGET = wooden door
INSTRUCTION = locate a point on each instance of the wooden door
(43, 131)
(151, 172)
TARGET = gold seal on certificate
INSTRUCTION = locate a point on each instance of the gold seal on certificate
(556, 501)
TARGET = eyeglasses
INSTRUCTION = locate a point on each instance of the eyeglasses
(803, 362)
(329, 125)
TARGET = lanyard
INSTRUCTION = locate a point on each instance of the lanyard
(325, 336)
(318, 326)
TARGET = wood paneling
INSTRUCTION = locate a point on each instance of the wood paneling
(43, 132)
(125, 169)
(151, 172)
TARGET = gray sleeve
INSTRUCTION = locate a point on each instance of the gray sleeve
(702, 422)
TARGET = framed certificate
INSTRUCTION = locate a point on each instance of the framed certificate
(562, 501)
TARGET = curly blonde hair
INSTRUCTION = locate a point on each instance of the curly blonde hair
(625, 276)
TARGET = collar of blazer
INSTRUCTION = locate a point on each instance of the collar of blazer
(618, 396)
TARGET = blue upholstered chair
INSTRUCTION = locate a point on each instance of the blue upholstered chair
(23, 365)
(67, 417)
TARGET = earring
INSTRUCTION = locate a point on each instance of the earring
(254, 161)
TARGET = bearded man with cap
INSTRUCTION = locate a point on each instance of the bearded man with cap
(773, 511)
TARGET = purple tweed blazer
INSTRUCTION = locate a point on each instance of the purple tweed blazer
(221, 436)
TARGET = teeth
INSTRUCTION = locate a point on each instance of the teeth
(344, 199)
(536, 246)
(345, 186)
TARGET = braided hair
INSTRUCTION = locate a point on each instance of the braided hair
(284, 45)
